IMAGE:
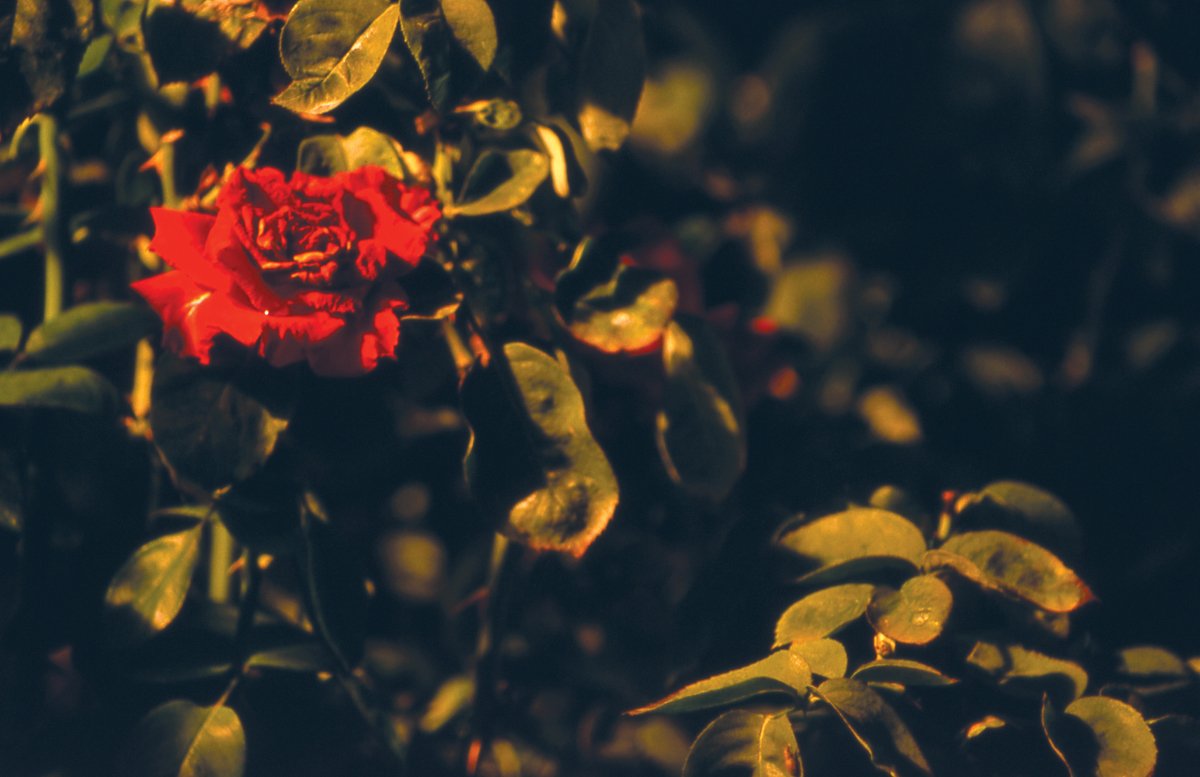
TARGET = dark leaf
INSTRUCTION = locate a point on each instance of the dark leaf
(1100, 737)
(699, 431)
(335, 590)
(875, 725)
(741, 743)
(181, 739)
(65, 388)
(535, 464)
(148, 591)
(520, 171)
(87, 331)
(612, 71)
(449, 47)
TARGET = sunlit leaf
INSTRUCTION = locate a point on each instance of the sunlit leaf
(741, 743)
(875, 725)
(854, 542)
(210, 431)
(826, 657)
(149, 589)
(610, 306)
(612, 70)
(332, 49)
(1101, 737)
(811, 299)
(1024, 510)
(181, 739)
(525, 171)
(65, 388)
(1149, 662)
(87, 331)
(784, 671)
(699, 430)
(532, 462)
(10, 333)
(901, 671)
(239, 22)
(823, 613)
(452, 699)
(1014, 566)
(1027, 672)
(474, 28)
(915, 614)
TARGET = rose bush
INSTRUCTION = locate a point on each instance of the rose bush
(300, 269)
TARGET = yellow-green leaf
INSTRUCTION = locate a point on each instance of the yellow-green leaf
(784, 671)
(741, 743)
(826, 657)
(87, 331)
(823, 613)
(526, 169)
(149, 589)
(64, 388)
(1029, 673)
(901, 671)
(1097, 736)
(181, 739)
(854, 542)
(913, 615)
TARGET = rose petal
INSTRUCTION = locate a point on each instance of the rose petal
(403, 216)
(228, 244)
(179, 238)
(194, 316)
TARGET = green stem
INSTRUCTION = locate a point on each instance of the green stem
(20, 242)
(54, 235)
(167, 175)
(220, 558)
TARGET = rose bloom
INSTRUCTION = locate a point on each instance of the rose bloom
(300, 269)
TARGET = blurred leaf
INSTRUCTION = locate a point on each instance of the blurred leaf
(1101, 737)
(1024, 510)
(875, 725)
(238, 20)
(699, 430)
(902, 672)
(526, 171)
(181, 739)
(826, 657)
(1027, 672)
(262, 511)
(811, 299)
(335, 590)
(499, 115)
(889, 415)
(612, 70)
(452, 699)
(896, 500)
(741, 743)
(823, 613)
(474, 28)
(65, 388)
(10, 333)
(536, 465)
(149, 589)
(332, 49)
(784, 671)
(329, 154)
(854, 542)
(412, 564)
(675, 107)
(211, 433)
(1149, 662)
(1004, 562)
(913, 615)
(610, 306)
(1000, 371)
(123, 17)
(90, 330)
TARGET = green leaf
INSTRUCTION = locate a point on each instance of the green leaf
(88, 331)
(211, 433)
(10, 333)
(784, 671)
(699, 430)
(450, 49)
(1101, 737)
(523, 171)
(95, 55)
(331, 49)
(499, 115)
(453, 698)
(823, 613)
(123, 17)
(1024, 510)
(1148, 662)
(329, 154)
(335, 590)
(532, 460)
(474, 27)
(610, 306)
(902, 672)
(741, 743)
(913, 615)
(1028, 673)
(239, 22)
(181, 739)
(1014, 566)
(875, 725)
(149, 589)
(826, 657)
(612, 71)
(65, 388)
(854, 542)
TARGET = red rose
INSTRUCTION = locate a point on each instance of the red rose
(299, 269)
